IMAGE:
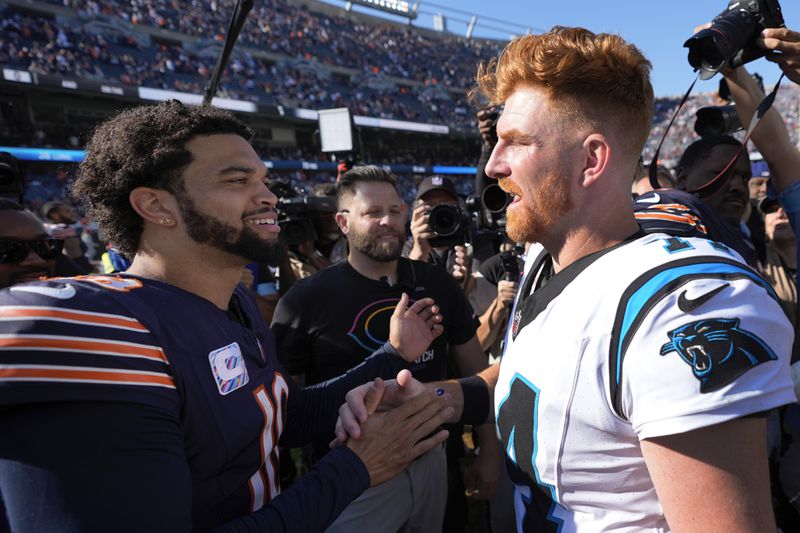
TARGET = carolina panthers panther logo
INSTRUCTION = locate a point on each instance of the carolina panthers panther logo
(717, 350)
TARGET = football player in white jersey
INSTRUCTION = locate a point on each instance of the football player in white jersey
(632, 392)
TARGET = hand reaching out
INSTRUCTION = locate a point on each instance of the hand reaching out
(413, 328)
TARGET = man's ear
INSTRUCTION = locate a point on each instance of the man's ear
(154, 205)
(342, 222)
(598, 155)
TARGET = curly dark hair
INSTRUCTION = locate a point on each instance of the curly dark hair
(142, 147)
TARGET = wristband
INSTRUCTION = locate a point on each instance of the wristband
(476, 400)
(391, 350)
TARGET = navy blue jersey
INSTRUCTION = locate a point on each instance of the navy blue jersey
(682, 214)
(204, 377)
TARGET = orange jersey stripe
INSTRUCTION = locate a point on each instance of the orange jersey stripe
(664, 207)
(687, 219)
(81, 317)
(80, 344)
(34, 373)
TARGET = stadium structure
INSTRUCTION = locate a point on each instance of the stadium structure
(69, 64)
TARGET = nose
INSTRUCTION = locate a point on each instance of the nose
(738, 183)
(267, 197)
(496, 167)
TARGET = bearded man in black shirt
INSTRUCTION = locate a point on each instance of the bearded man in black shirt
(331, 321)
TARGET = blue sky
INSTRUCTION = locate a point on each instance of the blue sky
(659, 29)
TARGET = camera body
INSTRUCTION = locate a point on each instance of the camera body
(296, 217)
(717, 120)
(510, 260)
(298, 212)
(731, 39)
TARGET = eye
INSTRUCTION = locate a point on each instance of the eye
(702, 329)
(239, 180)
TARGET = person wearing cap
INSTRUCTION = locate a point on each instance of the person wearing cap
(433, 191)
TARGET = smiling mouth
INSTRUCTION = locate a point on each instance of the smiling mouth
(266, 221)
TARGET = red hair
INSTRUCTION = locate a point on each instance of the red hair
(595, 80)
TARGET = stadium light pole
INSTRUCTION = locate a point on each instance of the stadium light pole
(240, 12)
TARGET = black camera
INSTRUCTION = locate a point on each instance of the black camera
(450, 224)
(298, 212)
(731, 39)
(717, 120)
(488, 209)
(495, 199)
(511, 264)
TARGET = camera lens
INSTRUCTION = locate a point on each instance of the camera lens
(728, 34)
(717, 120)
(444, 220)
(494, 198)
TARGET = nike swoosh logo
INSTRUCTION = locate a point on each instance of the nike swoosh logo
(651, 200)
(62, 293)
(687, 306)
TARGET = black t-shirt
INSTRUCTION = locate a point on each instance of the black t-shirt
(332, 320)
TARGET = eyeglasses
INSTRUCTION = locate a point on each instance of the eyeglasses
(15, 250)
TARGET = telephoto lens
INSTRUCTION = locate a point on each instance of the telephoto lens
(731, 38)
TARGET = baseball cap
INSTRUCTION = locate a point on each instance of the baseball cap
(436, 183)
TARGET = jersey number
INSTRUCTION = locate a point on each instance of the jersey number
(264, 484)
(516, 421)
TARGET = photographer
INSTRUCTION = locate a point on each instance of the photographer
(501, 273)
(432, 192)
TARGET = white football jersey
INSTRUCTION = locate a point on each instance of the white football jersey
(657, 336)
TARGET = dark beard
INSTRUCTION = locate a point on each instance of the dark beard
(381, 252)
(203, 228)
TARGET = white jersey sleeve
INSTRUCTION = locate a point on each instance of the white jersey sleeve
(698, 345)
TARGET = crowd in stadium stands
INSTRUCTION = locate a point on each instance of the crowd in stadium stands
(43, 45)
(308, 41)
(294, 30)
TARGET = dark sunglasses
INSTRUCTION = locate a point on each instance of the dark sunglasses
(15, 250)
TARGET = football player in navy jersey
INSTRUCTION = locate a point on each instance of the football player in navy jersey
(632, 391)
(152, 400)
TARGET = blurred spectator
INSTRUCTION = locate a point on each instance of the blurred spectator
(780, 266)
(27, 253)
